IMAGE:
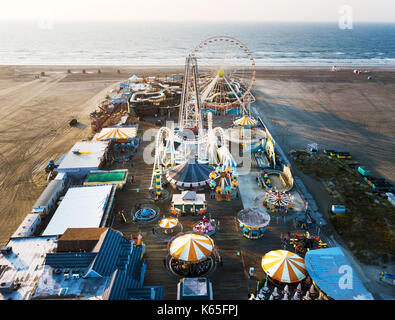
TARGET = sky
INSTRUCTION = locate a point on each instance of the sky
(197, 10)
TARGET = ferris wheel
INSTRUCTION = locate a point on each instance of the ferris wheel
(226, 72)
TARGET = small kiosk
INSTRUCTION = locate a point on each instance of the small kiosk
(194, 289)
(189, 202)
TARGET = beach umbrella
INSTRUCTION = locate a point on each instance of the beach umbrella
(285, 297)
(168, 223)
(271, 297)
(286, 289)
(191, 247)
(284, 266)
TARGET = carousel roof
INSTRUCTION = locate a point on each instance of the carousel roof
(255, 218)
(284, 266)
(189, 175)
(168, 223)
(245, 121)
(191, 247)
(114, 133)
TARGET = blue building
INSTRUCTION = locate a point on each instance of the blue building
(332, 273)
(96, 263)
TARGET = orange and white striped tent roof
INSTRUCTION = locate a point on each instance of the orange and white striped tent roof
(117, 133)
(284, 266)
(168, 223)
(191, 247)
(245, 121)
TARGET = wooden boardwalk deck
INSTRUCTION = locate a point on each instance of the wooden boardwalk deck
(230, 281)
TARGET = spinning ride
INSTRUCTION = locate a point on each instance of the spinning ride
(279, 202)
(145, 213)
(305, 242)
(253, 222)
(223, 180)
(205, 226)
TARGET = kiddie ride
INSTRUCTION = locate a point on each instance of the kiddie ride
(224, 181)
(279, 202)
(305, 242)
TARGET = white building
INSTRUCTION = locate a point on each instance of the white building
(83, 157)
(47, 200)
(28, 226)
(82, 207)
(23, 266)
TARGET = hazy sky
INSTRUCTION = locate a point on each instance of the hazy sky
(195, 10)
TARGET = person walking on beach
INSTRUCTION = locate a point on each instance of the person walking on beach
(132, 179)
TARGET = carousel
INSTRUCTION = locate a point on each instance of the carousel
(123, 138)
(245, 121)
(189, 175)
(168, 224)
(253, 222)
(283, 266)
(191, 254)
(224, 181)
(276, 201)
(166, 228)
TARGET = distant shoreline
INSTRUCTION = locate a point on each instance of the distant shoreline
(179, 66)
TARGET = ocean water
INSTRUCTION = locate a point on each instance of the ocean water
(166, 43)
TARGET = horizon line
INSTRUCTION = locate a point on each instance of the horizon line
(194, 21)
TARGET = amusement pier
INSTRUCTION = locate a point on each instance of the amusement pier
(182, 193)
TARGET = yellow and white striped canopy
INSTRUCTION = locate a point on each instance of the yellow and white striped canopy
(245, 121)
(168, 223)
(284, 266)
(191, 247)
(117, 133)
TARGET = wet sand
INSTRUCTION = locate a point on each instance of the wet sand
(336, 109)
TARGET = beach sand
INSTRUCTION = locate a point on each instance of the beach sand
(335, 109)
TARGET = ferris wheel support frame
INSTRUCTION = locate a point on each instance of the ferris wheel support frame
(190, 113)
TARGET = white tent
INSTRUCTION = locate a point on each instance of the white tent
(134, 78)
